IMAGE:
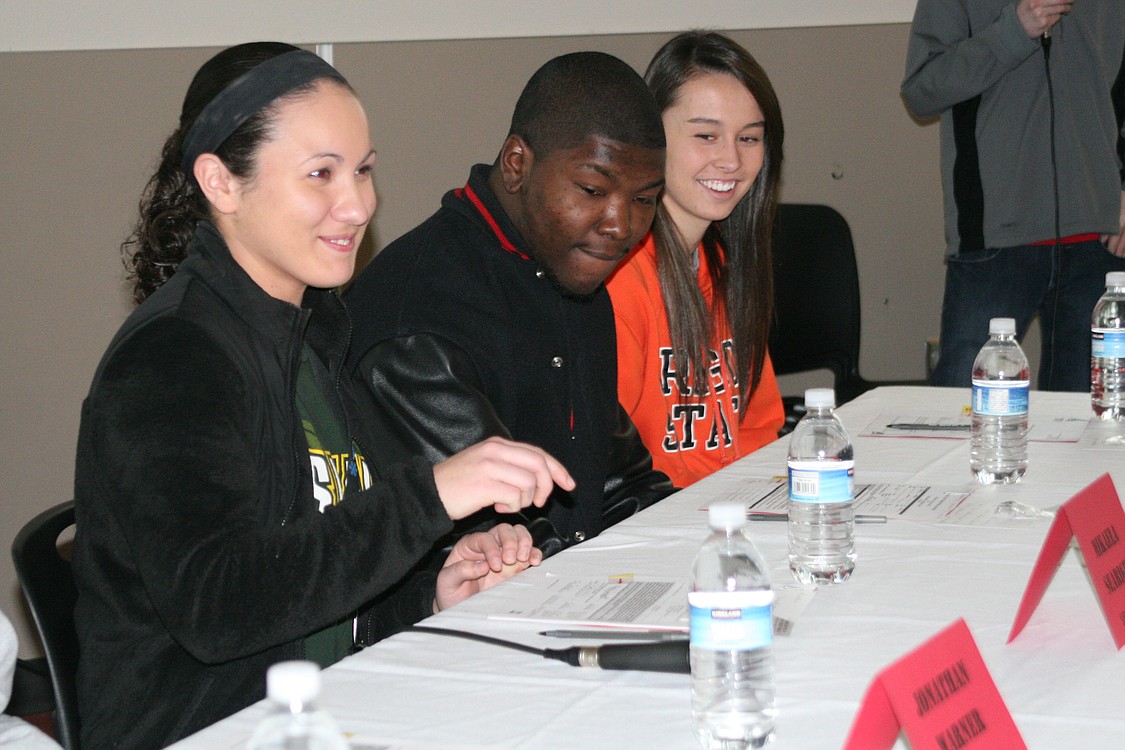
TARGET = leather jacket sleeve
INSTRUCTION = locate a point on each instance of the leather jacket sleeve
(427, 398)
(633, 485)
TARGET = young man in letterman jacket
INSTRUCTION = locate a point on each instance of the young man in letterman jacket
(491, 318)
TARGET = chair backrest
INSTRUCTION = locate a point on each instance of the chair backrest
(48, 583)
(816, 295)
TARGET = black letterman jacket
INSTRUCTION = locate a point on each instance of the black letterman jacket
(459, 336)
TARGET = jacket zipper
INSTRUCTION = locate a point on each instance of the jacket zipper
(291, 387)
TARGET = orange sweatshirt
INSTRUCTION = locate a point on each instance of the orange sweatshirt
(689, 438)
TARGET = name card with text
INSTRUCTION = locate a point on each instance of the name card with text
(941, 696)
(1095, 518)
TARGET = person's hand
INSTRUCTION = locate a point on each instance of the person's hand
(1038, 16)
(1115, 243)
(501, 473)
(479, 561)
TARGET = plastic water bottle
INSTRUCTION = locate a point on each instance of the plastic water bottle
(295, 723)
(1107, 352)
(732, 690)
(821, 494)
(998, 449)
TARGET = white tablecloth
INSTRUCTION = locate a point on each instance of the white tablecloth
(1062, 679)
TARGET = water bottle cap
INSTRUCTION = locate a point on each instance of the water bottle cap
(1115, 278)
(819, 398)
(1002, 326)
(293, 681)
(726, 515)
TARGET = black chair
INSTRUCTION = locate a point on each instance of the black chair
(816, 302)
(48, 585)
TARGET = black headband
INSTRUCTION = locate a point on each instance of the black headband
(247, 95)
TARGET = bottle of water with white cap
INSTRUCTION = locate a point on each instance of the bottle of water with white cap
(731, 602)
(1107, 355)
(1001, 377)
(295, 723)
(821, 494)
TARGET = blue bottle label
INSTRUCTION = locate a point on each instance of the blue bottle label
(731, 620)
(822, 481)
(1000, 398)
(1108, 343)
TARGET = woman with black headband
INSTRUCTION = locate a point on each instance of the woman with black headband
(232, 511)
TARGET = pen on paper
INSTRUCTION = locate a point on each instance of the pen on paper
(617, 635)
(755, 516)
(928, 427)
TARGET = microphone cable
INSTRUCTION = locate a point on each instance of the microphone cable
(1045, 41)
(663, 656)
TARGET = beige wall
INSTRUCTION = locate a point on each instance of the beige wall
(80, 131)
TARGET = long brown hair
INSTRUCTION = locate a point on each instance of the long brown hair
(737, 249)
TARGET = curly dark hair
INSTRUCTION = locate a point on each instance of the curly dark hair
(737, 248)
(172, 203)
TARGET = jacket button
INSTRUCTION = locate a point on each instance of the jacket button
(556, 361)
(539, 273)
(580, 536)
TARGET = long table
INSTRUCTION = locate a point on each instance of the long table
(1062, 678)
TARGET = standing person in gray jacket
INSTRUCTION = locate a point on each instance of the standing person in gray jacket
(1030, 94)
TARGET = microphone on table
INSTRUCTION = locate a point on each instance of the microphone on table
(662, 656)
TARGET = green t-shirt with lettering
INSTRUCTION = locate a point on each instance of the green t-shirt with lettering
(336, 468)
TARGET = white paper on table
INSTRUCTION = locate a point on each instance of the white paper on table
(358, 742)
(912, 502)
(956, 427)
(623, 602)
(1108, 435)
(632, 602)
(952, 505)
(1055, 430)
(789, 601)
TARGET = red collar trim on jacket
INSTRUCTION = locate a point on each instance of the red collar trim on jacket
(1073, 239)
(468, 192)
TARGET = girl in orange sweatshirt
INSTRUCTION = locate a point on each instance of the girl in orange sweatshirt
(694, 301)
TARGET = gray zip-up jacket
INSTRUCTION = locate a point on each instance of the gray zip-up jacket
(972, 63)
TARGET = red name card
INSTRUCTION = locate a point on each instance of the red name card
(1094, 516)
(941, 696)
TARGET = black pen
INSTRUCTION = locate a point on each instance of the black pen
(761, 516)
(935, 427)
(618, 635)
